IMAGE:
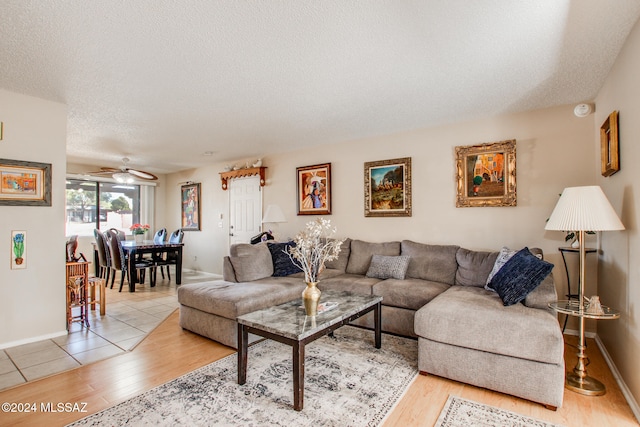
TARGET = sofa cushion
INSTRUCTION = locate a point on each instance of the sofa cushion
(431, 262)
(361, 253)
(388, 267)
(504, 256)
(474, 267)
(483, 323)
(340, 263)
(282, 263)
(543, 295)
(519, 276)
(409, 293)
(356, 283)
(251, 262)
(231, 300)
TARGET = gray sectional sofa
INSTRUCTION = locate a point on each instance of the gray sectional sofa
(464, 331)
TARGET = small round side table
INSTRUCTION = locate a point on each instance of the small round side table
(578, 380)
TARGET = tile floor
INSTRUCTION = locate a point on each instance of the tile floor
(129, 318)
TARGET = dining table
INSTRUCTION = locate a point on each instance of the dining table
(134, 249)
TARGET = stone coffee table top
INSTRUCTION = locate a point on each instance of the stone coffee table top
(289, 319)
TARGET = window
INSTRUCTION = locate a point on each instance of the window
(102, 205)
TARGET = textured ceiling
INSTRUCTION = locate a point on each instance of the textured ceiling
(163, 81)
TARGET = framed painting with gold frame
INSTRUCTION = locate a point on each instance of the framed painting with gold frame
(25, 183)
(387, 188)
(486, 174)
(609, 145)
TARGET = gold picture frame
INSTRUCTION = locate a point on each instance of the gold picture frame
(609, 145)
(387, 188)
(486, 174)
(25, 183)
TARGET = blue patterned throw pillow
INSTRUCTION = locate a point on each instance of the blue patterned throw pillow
(282, 264)
(519, 276)
(388, 267)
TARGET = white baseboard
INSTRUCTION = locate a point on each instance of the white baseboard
(616, 374)
(635, 408)
(32, 339)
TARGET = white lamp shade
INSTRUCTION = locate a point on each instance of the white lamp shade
(583, 209)
(273, 214)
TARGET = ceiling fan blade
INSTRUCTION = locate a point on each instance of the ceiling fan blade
(100, 172)
(110, 170)
(142, 174)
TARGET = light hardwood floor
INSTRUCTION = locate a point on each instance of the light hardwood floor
(169, 352)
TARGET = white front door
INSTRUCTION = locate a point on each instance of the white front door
(245, 209)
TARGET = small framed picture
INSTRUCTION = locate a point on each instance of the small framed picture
(25, 183)
(190, 205)
(314, 189)
(486, 174)
(609, 145)
(387, 188)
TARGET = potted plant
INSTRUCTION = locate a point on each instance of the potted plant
(138, 231)
(18, 248)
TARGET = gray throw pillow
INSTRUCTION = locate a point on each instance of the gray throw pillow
(388, 267)
(504, 256)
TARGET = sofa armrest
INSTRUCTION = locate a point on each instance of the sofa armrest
(228, 273)
(543, 295)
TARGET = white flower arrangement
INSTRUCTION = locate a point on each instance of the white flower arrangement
(314, 247)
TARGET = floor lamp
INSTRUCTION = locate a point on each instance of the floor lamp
(582, 209)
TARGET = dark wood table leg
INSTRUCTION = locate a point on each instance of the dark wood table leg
(377, 317)
(298, 376)
(178, 266)
(243, 343)
(133, 274)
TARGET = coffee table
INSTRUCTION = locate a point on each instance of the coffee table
(288, 324)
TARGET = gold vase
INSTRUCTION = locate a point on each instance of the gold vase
(310, 298)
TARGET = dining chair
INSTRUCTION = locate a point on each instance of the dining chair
(119, 261)
(120, 233)
(171, 259)
(160, 236)
(104, 258)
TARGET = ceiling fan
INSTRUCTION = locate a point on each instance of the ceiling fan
(125, 175)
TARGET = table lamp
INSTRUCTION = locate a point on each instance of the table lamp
(273, 214)
(582, 209)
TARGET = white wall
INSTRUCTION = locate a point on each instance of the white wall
(32, 301)
(619, 270)
(554, 151)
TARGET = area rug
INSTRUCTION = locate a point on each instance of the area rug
(348, 382)
(459, 412)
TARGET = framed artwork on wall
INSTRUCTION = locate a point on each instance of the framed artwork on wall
(190, 206)
(314, 189)
(609, 145)
(387, 188)
(18, 250)
(486, 174)
(25, 183)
